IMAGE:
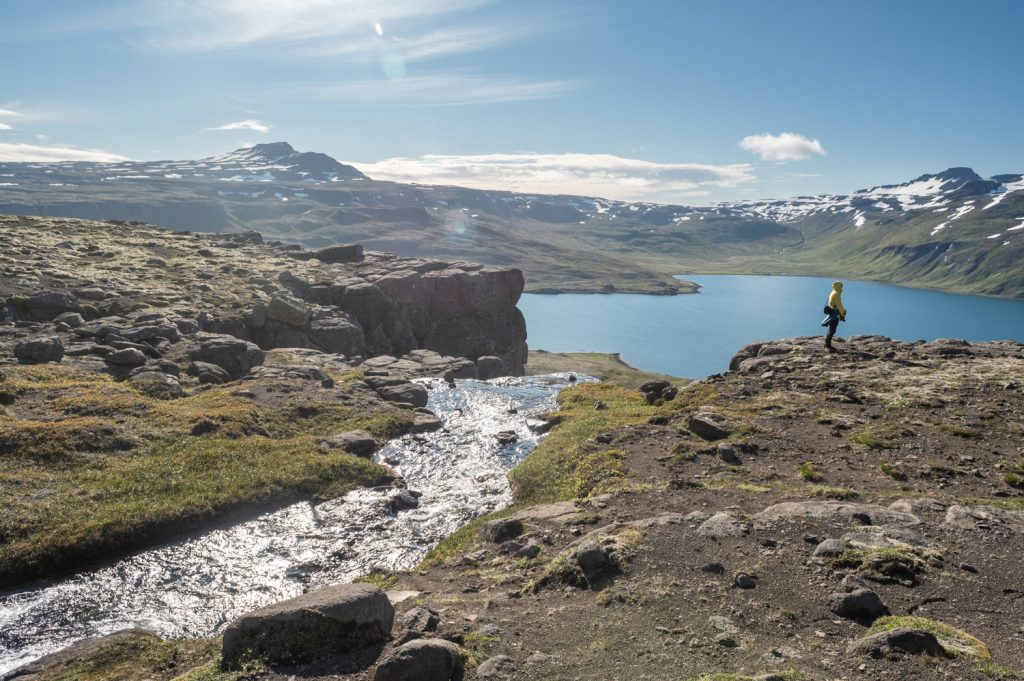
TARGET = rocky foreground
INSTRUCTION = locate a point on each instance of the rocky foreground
(153, 382)
(803, 516)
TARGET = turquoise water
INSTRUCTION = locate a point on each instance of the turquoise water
(696, 335)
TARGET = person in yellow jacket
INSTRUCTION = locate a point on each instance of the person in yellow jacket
(836, 313)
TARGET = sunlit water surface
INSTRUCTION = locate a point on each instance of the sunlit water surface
(195, 587)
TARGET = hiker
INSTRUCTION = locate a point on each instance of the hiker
(836, 313)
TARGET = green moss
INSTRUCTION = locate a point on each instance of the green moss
(892, 471)
(998, 672)
(958, 431)
(809, 473)
(880, 435)
(956, 642)
(381, 579)
(138, 657)
(891, 564)
(462, 541)
(838, 493)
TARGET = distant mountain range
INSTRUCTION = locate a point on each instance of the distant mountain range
(953, 230)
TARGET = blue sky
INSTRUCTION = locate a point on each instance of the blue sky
(687, 102)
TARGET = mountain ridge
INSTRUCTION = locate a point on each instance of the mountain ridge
(965, 224)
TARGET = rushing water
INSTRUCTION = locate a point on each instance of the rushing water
(195, 587)
(696, 335)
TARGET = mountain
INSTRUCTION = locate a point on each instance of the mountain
(955, 229)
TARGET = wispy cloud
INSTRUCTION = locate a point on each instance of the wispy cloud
(603, 175)
(305, 25)
(787, 146)
(46, 154)
(446, 89)
(7, 113)
(248, 124)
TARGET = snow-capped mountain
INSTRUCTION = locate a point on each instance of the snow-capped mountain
(952, 229)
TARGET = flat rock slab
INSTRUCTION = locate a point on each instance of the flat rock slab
(722, 525)
(790, 511)
(983, 518)
(323, 622)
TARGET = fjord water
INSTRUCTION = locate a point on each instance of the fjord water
(195, 587)
(696, 335)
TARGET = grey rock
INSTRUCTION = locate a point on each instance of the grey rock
(723, 524)
(830, 548)
(126, 357)
(859, 604)
(426, 423)
(723, 624)
(289, 311)
(403, 501)
(727, 453)
(233, 355)
(501, 530)
(425, 659)
(39, 350)
(420, 619)
(593, 559)
(983, 518)
(506, 437)
(208, 373)
(708, 425)
(358, 442)
(72, 319)
(320, 623)
(409, 393)
(340, 253)
(489, 366)
(45, 305)
(791, 511)
(895, 641)
(497, 668)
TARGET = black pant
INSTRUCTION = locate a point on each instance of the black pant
(833, 324)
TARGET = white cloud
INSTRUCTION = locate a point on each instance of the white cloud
(4, 126)
(213, 25)
(787, 146)
(603, 175)
(428, 90)
(248, 124)
(7, 113)
(46, 154)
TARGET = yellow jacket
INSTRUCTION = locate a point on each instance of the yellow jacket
(835, 299)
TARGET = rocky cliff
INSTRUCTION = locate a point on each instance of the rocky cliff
(337, 300)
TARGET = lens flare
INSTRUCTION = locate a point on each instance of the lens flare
(378, 28)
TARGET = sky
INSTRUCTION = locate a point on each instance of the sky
(677, 101)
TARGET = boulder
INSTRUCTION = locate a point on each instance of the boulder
(426, 422)
(424, 659)
(45, 305)
(723, 524)
(859, 604)
(408, 393)
(895, 641)
(708, 425)
(39, 350)
(340, 253)
(501, 530)
(72, 319)
(233, 355)
(593, 559)
(497, 668)
(208, 373)
(420, 619)
(864, 514)
(288, 311)
(338, 333)
(357, 442)
(325, 622)
(653, 390)
(126, 357)
(489, 366)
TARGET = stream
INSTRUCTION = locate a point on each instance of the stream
(195, 587)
